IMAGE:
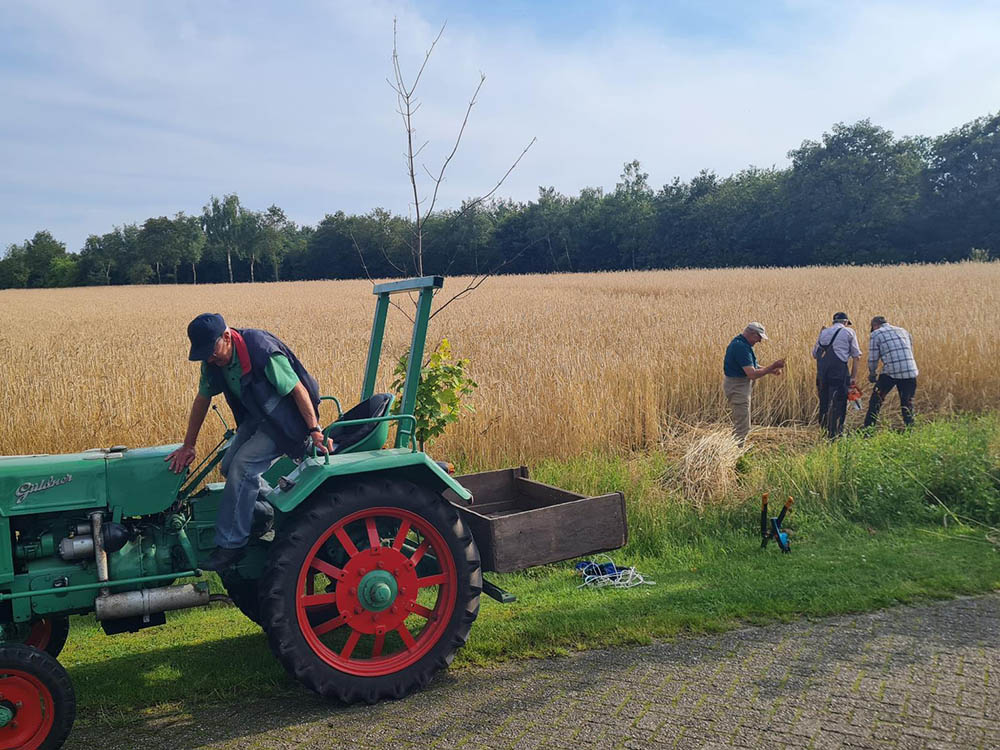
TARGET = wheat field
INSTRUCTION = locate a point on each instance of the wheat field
(565, 363)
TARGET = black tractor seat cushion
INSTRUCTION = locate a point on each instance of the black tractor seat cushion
(347, 437)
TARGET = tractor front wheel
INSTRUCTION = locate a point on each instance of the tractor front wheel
(37, 702)
(370, 590)
(48, 634)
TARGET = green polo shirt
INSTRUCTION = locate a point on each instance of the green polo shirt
(278, 371)
(739, 354)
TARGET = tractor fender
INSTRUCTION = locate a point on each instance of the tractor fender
(401, 463)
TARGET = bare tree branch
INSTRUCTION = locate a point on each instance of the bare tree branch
(458, 140)
(407, 106)
(369, 276)
(473, 203)
(477, 280)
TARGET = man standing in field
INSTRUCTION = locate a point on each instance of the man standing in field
(275, 402)
(740, 369)
(835, 347)
(894, 346)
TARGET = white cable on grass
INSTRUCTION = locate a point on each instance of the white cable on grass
(622, 578)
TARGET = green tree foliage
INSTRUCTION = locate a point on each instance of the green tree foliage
(858, 194)
(444, 382)
(853, 190)
(221, 221)
(963, 191)
(190, 243)
(14, 268)
(276, 239)
(158, 243)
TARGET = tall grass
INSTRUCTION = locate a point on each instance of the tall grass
(566, 363)
(945, 472)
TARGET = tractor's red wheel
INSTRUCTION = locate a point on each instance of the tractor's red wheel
(47, 634)
(37, 703)
(370, 590)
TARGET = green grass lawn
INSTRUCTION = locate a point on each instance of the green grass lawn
(849, 554)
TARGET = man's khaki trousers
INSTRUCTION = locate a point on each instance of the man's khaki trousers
(737, 392)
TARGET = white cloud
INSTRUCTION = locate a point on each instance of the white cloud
(116, 112)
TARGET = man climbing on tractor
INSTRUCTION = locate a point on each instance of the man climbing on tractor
(275, 402)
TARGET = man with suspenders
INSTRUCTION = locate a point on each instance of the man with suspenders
(837, 355)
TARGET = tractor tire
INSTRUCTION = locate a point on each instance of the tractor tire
(243, 592)
(48, 634)
(370, 589)
(38, 701)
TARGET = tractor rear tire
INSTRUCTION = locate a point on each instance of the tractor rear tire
(363, 635)
(38, 697)
(243, 592)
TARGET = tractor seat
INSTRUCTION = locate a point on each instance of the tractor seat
(363, 437)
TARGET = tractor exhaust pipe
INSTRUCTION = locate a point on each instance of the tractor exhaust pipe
(100, 555)
(150, 601)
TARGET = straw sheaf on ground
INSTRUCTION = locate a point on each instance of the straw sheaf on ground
(565, 363)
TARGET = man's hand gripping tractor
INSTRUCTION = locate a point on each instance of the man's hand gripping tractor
(365, 570)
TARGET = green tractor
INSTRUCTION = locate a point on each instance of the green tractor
(365, 568)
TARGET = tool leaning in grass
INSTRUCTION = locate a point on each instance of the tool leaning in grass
(772, 530)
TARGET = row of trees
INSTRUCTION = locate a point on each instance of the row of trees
(858, 195)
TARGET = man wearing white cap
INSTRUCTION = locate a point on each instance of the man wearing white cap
(740, 369)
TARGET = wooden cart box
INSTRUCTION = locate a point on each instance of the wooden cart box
(518, 523)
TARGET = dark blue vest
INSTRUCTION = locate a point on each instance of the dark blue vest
(260, 403)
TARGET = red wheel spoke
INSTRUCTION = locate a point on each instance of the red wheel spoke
(439, 580)
(404, 529)
(352, 641)
(329, 625)
(377, 648)
(373, 538)
(332, 572)
(406, 635)
(419, 553)
(420, 609)
(318, 600)
(345, 541)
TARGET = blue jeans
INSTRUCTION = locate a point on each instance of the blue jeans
(251, 454)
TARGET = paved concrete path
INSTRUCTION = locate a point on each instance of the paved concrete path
(910, 678)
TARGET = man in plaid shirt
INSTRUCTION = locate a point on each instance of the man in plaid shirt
(894, 347)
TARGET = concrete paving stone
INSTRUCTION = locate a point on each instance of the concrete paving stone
(925, 733)
(973, 737)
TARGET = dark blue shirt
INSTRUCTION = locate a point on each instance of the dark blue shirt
(739, 354)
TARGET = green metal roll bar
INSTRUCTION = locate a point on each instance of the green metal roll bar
(426, 285)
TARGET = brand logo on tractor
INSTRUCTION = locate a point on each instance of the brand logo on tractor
(22, 492)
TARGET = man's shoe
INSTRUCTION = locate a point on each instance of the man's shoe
(223, 558)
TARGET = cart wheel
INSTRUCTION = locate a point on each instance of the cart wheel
(47, 634)
(243, 592)
(37, 703)
(370, 589)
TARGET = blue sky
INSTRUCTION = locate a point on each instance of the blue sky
(117, 111)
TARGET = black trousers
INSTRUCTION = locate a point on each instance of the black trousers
(906, 387)
(833, 401)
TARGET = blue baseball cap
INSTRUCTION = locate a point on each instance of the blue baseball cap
(204, 331)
